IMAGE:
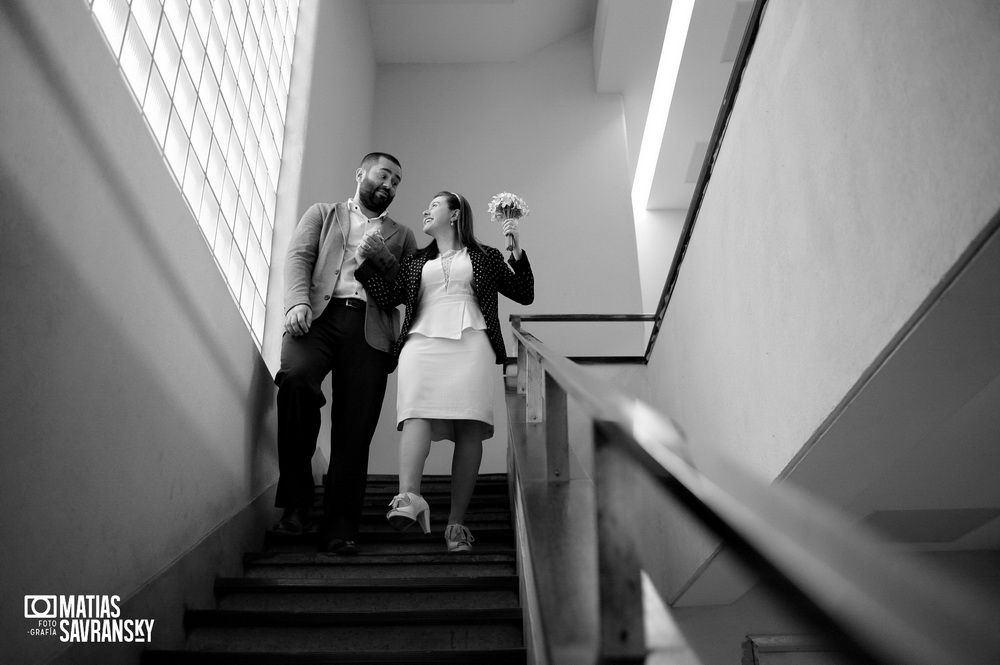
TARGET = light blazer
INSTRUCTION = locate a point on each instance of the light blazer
(490, 275)
(316, 253)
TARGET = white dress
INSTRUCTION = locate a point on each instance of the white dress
(446, 365)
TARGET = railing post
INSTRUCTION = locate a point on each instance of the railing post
(522, 355)
(556, 431)
(522, 367)
(620, 578)
(534, 389)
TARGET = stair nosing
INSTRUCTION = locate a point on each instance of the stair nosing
(208, 619)
(297, 583)
(494, 655)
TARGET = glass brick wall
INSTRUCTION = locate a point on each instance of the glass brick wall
(211, 79)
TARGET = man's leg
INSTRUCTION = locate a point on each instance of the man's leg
(305, 361)
(360, 375)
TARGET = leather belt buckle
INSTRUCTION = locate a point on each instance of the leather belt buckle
(354, 303)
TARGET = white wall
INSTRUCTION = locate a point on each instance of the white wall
(657, 233)
(137, 414)
(536, 128)
(861, 159)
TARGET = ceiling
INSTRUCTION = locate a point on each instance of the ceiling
(471, 31)
(941, 457)
(627, 42)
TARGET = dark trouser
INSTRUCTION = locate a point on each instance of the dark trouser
(335, 343)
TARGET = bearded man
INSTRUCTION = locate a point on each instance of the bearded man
(331, 326)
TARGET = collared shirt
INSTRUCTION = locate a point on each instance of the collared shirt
(347, 285)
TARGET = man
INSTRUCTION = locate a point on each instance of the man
(331, 326)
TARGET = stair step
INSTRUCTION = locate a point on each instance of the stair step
(442, 490)
(412, 545)
(375, 519)
(403, 599)
(439, 513)
(224, 630)
(440, 500)
(428, 480)
(506, 656)
(483, 533)
(314, 565)
(387, 594)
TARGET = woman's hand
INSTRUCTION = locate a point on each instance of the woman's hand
(512, 230)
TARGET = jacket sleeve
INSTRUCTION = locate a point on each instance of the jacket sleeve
(387, 294)
(519, 284)
(300, 259)
(386, 262)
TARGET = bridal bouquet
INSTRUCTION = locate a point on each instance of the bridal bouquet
(506, 206)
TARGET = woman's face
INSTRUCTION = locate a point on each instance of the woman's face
(438, 217)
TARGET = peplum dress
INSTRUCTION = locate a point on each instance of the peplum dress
(447, 365)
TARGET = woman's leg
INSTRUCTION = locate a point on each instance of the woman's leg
(464, 467)
(414, 446)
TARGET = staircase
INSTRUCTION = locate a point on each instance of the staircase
(403, 599)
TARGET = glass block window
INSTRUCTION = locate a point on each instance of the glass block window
(211, 79)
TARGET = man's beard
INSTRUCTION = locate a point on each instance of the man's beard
(376, 204)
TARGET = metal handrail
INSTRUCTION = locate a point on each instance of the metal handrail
(587, 317)
(721, 122)
(881, 606)
(602, 318)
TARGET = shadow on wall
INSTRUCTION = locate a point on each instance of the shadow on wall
(131, 208)
(135, 424)
(112, 468)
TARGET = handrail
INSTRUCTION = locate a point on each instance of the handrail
(880, 606)
(587, 317)
(576, 318)
(721, 122)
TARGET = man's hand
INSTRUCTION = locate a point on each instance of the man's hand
(298, 320)
(370, 245)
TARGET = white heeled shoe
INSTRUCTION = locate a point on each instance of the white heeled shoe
(408, 509)
(459, 538)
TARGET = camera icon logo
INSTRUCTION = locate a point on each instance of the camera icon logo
(40, 607)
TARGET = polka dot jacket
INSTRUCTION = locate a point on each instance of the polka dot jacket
(490, 276)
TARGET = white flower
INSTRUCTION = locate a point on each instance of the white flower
(507, 206)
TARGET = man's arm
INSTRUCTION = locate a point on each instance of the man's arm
(300, 260)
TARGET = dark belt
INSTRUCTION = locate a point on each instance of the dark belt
(349, 303)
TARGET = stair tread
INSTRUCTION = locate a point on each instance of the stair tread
(304, 618)
(380, 527)
(316, 558)
(294, 604)
(229, 584)
(482, 533)
(495, 655)
(396, 547)
(437, 477)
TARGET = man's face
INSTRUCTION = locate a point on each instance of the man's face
(377, 186)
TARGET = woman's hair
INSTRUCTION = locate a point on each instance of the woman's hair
(463, 225)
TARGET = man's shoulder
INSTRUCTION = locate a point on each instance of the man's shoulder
(325, 208)
(319, 213)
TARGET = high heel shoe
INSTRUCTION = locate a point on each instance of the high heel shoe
(407, 509)
(459, 538)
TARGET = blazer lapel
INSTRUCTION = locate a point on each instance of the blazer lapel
(389, 228)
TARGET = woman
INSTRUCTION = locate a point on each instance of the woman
(448, 344)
